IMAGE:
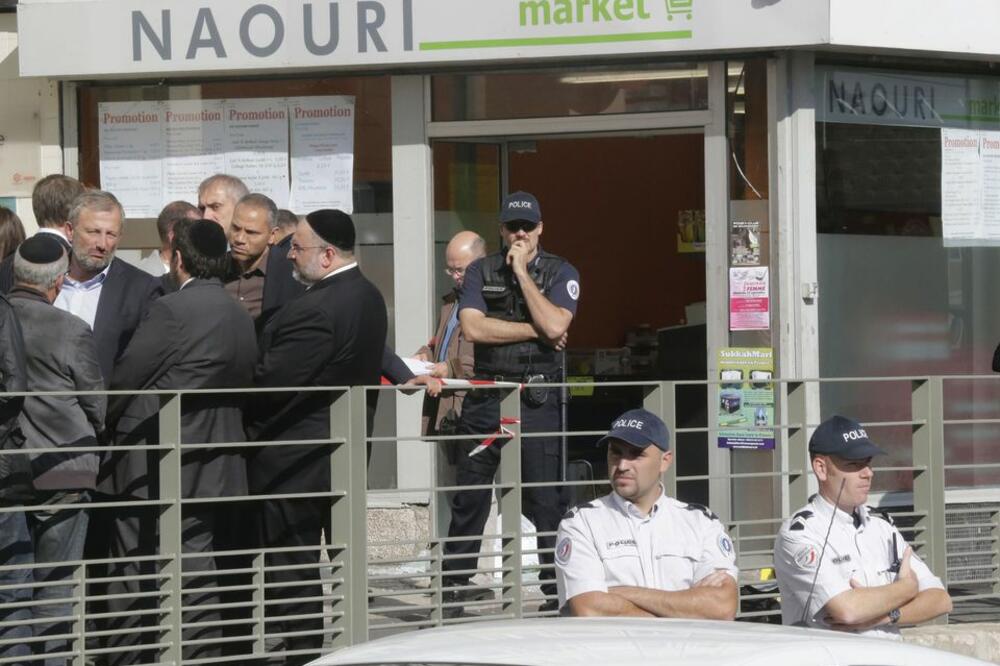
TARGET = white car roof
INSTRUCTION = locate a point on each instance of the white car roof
(637, 642)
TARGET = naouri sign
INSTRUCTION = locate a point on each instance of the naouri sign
(94, 38)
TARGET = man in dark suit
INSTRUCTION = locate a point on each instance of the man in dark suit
(50, 201)
(107, 293)
(332, 335)
(194, 338)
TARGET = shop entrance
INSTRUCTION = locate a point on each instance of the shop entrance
(628, 212)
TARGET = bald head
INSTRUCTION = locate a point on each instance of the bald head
(464, 248)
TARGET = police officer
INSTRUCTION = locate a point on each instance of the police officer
(515, 307)
(869, 581)
(637, 552)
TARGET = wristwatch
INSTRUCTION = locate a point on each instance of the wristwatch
(894, 616)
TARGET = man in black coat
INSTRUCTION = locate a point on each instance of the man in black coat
(195, 338)
(332, 335)
(106, 292)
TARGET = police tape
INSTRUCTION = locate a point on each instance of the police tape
(502, 432)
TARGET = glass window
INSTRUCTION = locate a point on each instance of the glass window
(578, 92)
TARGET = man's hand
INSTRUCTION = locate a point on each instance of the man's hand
(560, 344)
(440, 370)
(517, 258)
(432, 384)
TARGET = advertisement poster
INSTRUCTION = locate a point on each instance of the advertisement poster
(131, 139)
(744, 243)
(194, 144)
(323, 153)
(749, 299)
(690, 231)
(970, 187)
(746, 398)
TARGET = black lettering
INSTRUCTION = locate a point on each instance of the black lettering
(919, 101)
(858, 100)
(407, 25)
(836, 96)
(879, 100)
(310, 33)
(205, 21)
(276, 21)
(368, 29)
(901, 109)
(142, 26)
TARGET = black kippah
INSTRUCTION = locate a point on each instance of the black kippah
(333, 226)
(41, 249)
(208, 238)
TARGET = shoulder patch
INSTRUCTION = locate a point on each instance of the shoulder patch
(691, 506)
(803, 515)
(797, 525)
(884, 515)
(576, 509)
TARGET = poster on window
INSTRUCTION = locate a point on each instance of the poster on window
(970, 187)
(749, 298)
(301, 149)
(746, 398)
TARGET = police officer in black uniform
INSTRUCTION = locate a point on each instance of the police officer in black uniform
(516, 307)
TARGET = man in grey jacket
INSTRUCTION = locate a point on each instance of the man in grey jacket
(60, 355)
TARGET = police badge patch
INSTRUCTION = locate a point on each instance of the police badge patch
(725, 545)
(563, 550)
(807, 557)
(573, 289)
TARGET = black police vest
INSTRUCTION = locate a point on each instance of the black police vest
(505, 301)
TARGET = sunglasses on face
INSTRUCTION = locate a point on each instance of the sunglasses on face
(520, 225)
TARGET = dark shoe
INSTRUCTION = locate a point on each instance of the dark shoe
(549, 606)
(452, 599)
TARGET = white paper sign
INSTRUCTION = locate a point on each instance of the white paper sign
(194, 144)
(257, 146)
(131, 150)
(749, 298)
(961, 184)
(322, 130)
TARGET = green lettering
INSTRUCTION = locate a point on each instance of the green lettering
(535, 12)
(640, 9)
(563, 12)
(623, 10)
(600, 8)
(580, 4)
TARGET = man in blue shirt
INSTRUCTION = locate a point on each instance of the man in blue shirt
(516, 307)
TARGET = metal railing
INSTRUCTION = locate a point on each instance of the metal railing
(372, 586)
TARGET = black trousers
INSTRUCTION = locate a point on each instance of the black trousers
(539, 463)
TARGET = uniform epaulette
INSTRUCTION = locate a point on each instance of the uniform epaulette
(881, 513)
(572, 511)
(691, 506)
(799, 520)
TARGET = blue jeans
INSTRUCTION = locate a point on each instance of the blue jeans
(15, 550)
(58, 536)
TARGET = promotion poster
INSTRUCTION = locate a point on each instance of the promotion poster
(746, 398)
(749, 299)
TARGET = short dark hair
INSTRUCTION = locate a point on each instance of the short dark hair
(169, 216)
(197, 264)
(287, 219)
(11, 232)
(261, 202)
(52, 197)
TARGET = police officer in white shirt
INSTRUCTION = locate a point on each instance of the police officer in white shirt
(637, 552)
(869, 581)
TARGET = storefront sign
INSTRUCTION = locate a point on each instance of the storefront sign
(299, 152)
(106, 38)
(749, 299)
(970, 187)
(746, 398)
(871, 97)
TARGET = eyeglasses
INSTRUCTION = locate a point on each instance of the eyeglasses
(454, 272)
(298, 248)
(520, 225)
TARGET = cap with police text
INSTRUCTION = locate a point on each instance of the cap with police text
(843, 437)
(520, 206)
(639, 427)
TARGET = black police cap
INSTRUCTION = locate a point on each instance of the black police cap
(843, 437)
(333, 226)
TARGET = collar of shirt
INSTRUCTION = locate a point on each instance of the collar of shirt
(342, 269)
(186, 283)
(54, 232)
(632, 511)
(824, 508)
(87, 285)
(258, 267)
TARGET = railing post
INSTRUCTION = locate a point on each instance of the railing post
(661, 400)
(928, 484)
(510, 503)
(994, 550)
(349, 475)
(170, 540)
(798, 445)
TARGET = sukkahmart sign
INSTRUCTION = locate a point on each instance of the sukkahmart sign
(114, 38)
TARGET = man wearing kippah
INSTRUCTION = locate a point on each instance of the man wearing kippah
(197, 337)
(332, 335)
(840, 565)
(635, 551)
(60, 357)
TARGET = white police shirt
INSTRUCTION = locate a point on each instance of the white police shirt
(610, 543)
(864, 553)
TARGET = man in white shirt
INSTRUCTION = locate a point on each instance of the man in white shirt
(637, 552)
(863, 577)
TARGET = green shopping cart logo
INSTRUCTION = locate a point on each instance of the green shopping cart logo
(683, 8)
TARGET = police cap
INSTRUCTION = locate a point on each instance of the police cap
(640, 428)
(843, 437)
